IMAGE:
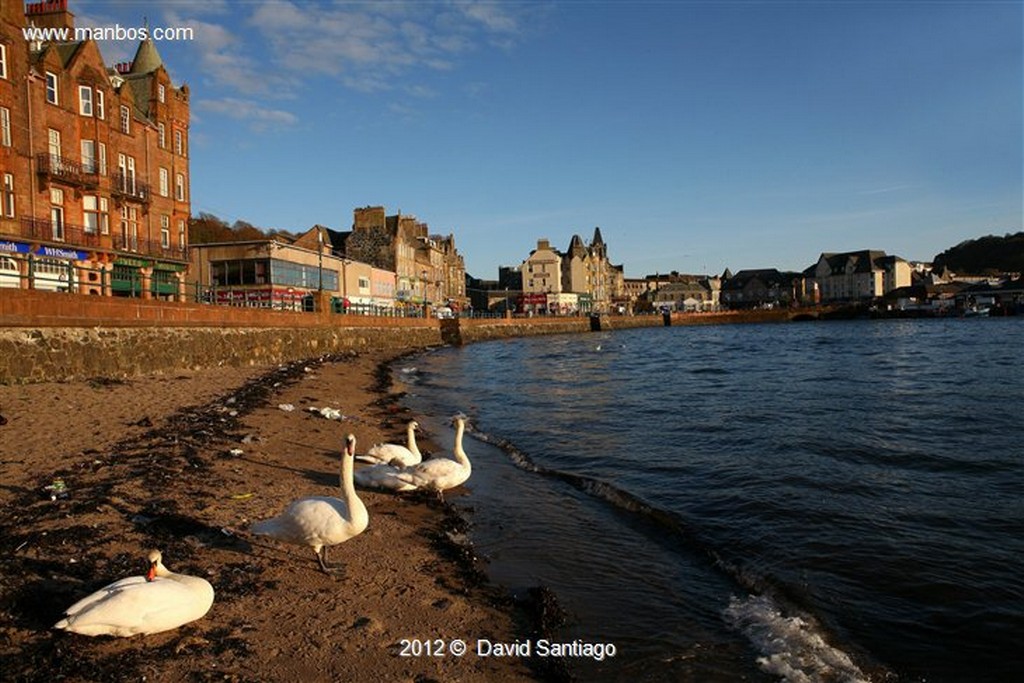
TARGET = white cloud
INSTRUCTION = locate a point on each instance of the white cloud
(258, 117)
(378, 46)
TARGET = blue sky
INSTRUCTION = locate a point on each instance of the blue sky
(697, 135)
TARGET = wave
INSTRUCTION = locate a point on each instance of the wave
(793, 644)
(791, 647)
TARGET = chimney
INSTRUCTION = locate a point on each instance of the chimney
(51, 14)
(123, 67)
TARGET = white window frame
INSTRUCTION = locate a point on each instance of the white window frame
(179, 187)
(101, 158)
(53, 146)
(129, 228)
(5, 126)
(57, 213)
(104, 216)
(126, 120)
(85, 107)
(181, 233)
(161, 131)
(161, 92)
(131, 173)
(8, 190)
(91, 214)
(165, 182)
(52, 88)
(3, 61)
(89, 156)
(165, 231)
(179, 143)
(101, 108)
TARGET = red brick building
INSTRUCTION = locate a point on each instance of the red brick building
(94, 172)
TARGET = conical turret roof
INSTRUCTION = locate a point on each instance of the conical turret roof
(147, 59)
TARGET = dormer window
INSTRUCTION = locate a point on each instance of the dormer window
(51, 87)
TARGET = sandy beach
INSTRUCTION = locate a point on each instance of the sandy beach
(94, 473)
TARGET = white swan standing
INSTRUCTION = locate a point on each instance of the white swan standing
(393, 453)
(440, 474)
(139, 605)
(322, 521)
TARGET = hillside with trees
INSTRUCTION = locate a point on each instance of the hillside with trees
(990, 255)
(207, 229)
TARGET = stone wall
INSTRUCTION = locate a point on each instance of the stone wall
(70, 353)
(46, 336)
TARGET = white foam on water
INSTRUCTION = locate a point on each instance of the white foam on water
(791, 646)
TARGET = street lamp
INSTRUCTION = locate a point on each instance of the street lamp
(320, 259)
(424, 274)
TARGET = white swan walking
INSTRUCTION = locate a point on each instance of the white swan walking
(393, 453)
(440, 474)
(322, 521)
(140, 605)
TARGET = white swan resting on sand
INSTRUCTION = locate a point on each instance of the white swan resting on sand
(382, 476)
(139, 605)
(322, 521)
(395, 454)
(436, 474)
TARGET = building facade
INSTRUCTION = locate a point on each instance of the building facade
(858, 275)
(429, 269)
(287, 275)
(94, 164)
(579, 280)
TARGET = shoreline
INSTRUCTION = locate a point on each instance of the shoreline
(154, 462)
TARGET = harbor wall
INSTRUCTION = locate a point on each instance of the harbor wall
(48, 336)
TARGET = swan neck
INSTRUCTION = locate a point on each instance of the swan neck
(460, 455)
(348, 487)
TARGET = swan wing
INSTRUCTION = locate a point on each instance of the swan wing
(135, 606)
(439, 474)
(314, 521)
(390, 453)
(381, 476)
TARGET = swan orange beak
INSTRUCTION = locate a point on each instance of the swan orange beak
(151, 574)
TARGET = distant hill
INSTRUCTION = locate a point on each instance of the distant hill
(207, 228)
(989, 255)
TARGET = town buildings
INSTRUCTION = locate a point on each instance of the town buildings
(580, 280)
(94, 164)
(385, 265)
(857, 275)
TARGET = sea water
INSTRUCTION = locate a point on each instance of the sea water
(822, 501)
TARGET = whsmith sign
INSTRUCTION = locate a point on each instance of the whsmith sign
(51, 252)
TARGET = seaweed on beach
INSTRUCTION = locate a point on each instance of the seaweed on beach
(44, 568)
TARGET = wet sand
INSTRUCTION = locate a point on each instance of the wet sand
(185, 462)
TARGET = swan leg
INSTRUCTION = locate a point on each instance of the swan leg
(321, 557)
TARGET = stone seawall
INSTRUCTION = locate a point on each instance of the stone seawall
(60, 337)
(42, 354)
(70, 353)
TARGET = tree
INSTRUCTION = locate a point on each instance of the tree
(989, 255)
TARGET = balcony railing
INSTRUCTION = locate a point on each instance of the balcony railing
(128, 186)
(49, 231)
(45, 230)
(62, 169)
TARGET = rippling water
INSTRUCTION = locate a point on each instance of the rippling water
(807, 502)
